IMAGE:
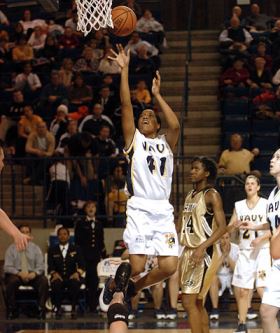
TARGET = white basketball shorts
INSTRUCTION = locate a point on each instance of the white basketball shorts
(263, 267)
(271, 294)
(150, 228)
(245, 269)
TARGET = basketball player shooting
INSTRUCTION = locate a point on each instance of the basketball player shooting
(150, 226)
(6, 224)
(202, 225)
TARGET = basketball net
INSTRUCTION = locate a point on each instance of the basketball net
(94, 15)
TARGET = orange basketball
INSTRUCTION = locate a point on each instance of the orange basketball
(124, 20)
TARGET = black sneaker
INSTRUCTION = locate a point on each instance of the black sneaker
(241, 328)
(130, 291)
(106, 295)
(118, 284)
(122, 277)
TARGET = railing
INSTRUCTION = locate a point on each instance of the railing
(29, 193)
(189, 29)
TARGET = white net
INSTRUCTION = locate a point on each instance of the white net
(94, 15)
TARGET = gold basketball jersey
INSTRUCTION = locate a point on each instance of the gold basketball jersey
(197, 223)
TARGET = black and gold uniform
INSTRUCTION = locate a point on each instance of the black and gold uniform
(197, 225)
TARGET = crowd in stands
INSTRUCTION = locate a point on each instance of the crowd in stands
(60, 98)
(249, 86)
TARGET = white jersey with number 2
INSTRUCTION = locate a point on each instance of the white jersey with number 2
(256, 215)
(150, 167)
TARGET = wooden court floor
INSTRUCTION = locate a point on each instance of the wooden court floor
(136, 331)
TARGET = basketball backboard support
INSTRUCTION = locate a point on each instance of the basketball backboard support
(49, 6)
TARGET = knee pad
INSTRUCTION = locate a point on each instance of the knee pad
(117, 312)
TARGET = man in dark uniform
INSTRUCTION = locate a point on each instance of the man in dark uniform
(66, 267)
(89, 236)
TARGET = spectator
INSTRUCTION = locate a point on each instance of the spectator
(88, 62)
(59, 124)
(142, 93)
(58, 197)
(143, 63)
(152, 29)
(104, 148)
(66, 268)
(102, 39)
(28, 82)
(107, 66)
(235, 77)
(223, 278)
(66, 72)
(236, 11)
(135, 41)
(236, 160)
(11, 114)
(132, 4)
(28, 122)
(5, 56)
(72, 128)
(40, 145)
(260, 77)
(29, 24)
(107, 101)
(108, 81)
(26, 125)
(50, 50)
(79, 92)
(85, 185)
(235, 37)
(37, 39)
(262, 53)
(53, 94)
(115, 202)
(257, 22)
(72, 22)
(17, 32)
(89, 236)
(93, 122)
(25, 268)
(22, 51)
(54, 29)
(68, 40)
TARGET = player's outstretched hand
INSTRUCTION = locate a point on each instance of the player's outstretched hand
(21, 240)
(156, 84)
(122, 57)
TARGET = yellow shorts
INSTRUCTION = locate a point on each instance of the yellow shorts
(197, 280)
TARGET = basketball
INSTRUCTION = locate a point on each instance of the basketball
(124, 20)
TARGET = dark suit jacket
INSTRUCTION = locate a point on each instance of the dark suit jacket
(67, 266)
(90, 240)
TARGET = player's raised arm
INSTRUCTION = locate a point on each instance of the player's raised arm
(128, 126)
(173, 126)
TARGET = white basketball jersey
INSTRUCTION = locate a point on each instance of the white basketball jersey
(273, 208)
(256, 215)
(150, 167)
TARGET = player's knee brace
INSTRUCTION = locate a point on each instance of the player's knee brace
(117, 312)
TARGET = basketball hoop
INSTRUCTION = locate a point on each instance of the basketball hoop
(94, 15)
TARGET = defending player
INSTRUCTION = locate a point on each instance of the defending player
(253, 263)
(271, 297)
(6, 224)
(275, 245)
(150, 226)
(203, 223)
